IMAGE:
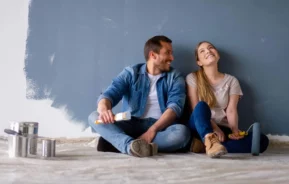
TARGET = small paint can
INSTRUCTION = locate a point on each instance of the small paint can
(48, 148)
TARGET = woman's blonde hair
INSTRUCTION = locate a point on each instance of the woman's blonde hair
(204, 88)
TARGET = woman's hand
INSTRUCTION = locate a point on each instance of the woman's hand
(236, 134)
(219, 133)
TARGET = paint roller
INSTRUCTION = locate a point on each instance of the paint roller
(256, 134)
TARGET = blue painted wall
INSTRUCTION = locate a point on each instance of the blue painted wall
(93, 40)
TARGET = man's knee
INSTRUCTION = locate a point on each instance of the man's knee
(92, 118)
(181, 134)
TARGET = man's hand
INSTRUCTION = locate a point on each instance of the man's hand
(106, 116)
(149, 135)
(104, 111)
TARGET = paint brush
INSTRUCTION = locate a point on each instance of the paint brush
(118, 117)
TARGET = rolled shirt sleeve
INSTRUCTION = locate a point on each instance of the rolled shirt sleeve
(177, 95)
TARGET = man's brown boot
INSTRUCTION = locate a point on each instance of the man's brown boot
(197, 146)
(214, 148)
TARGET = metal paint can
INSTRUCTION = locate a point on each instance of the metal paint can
(32, 144)
(29, 130)
(17, 146)
(48, 147)
(25, 128)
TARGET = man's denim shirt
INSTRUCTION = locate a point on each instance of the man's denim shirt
(132, 85)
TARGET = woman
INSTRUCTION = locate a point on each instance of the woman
(213, 97)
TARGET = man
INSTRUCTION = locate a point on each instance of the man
(154, 93)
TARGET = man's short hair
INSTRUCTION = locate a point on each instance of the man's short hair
(154, 44)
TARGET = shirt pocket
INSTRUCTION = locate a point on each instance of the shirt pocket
(135, 98)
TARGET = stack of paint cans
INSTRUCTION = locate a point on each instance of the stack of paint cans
(27, 134)
(23, 138)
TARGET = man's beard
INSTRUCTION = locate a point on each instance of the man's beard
(163, 67)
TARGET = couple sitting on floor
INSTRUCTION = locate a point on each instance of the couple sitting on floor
(155, 94)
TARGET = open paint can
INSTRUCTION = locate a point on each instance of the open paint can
(29, 130)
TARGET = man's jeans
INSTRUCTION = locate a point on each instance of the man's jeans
(200, 123)
(120, 134)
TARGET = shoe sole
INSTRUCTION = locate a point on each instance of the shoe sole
(218, 154)
(141, 148)
(154, 149)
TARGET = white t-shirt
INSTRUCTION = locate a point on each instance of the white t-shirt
(229, 85)
(153, 109)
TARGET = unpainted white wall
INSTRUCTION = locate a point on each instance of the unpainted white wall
(14, 106)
